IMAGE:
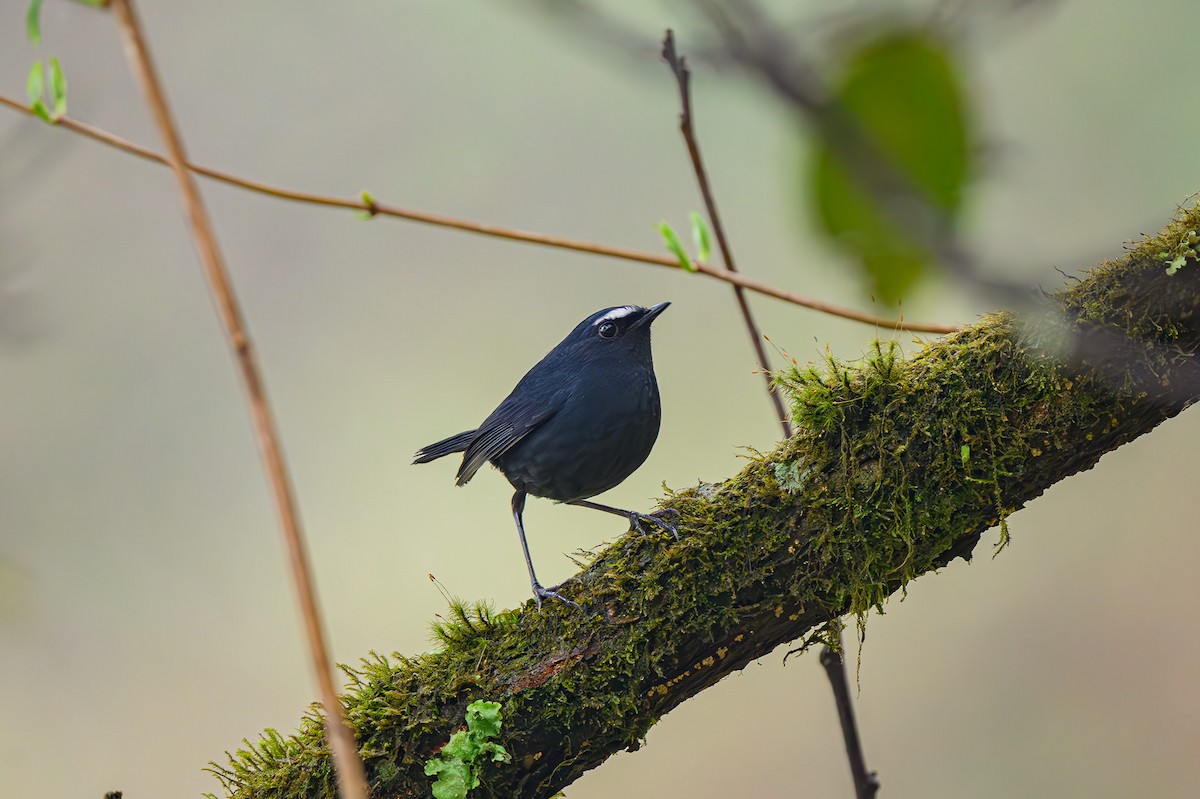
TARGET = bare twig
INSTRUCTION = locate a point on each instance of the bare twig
(812, 101)
(351, 776)
(496, 231)
(866, 784)
(683, 78)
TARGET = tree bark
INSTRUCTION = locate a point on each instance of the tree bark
(898, 467)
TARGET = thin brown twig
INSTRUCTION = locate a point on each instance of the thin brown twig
(495, 231)
(866, 783)
(687, 127)
(351, 775)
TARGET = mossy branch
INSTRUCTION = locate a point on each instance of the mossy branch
(898, 467)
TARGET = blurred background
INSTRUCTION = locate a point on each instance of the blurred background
(146, 624)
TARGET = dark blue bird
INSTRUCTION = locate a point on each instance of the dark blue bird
(579, 422)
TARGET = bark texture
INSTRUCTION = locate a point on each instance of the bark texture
(898, 466)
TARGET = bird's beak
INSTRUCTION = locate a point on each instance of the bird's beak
(650, 314)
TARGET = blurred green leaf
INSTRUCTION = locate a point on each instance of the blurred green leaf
(58, 88)
(701, 238)
(33, 21)
(35, 88)
(35, 84)
(671, 240)
(904, 91)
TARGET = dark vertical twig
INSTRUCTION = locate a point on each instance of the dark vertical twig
(866, 784)
(352, 782)
(683, 78)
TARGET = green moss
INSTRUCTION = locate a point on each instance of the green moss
(886, 437)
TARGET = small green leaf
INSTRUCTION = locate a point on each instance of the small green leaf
(461, 746)
(701, 237)
(483, 718)
(35, 84)
(369, 201)
(964, 452)
(457, 768)
(33, 21)
(58, 88)
(1176, 264)
(454, 779)
(35, 89)
(671, 240)
(42, 112)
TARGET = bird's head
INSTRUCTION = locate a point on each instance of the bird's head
(621, 331)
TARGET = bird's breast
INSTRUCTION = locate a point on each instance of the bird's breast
(602, 434)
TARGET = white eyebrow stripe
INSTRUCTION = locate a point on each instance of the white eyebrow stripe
(617, 313)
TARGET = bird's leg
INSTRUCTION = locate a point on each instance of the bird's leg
(635, 518)
(539, 593)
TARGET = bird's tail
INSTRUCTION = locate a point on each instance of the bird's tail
(446, 446)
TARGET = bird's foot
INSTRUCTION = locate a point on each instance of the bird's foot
(636, 519)
(540, 593)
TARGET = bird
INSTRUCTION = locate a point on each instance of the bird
(583, 419)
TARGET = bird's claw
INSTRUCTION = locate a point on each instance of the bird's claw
(540, 593)
(636, 519)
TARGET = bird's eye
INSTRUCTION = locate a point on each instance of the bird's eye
(608, 330)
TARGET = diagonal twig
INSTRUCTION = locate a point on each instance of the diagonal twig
(683, 78)
(866, 783)
(495, 231)
(351, 777)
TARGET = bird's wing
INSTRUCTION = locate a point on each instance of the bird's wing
(512, 421)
